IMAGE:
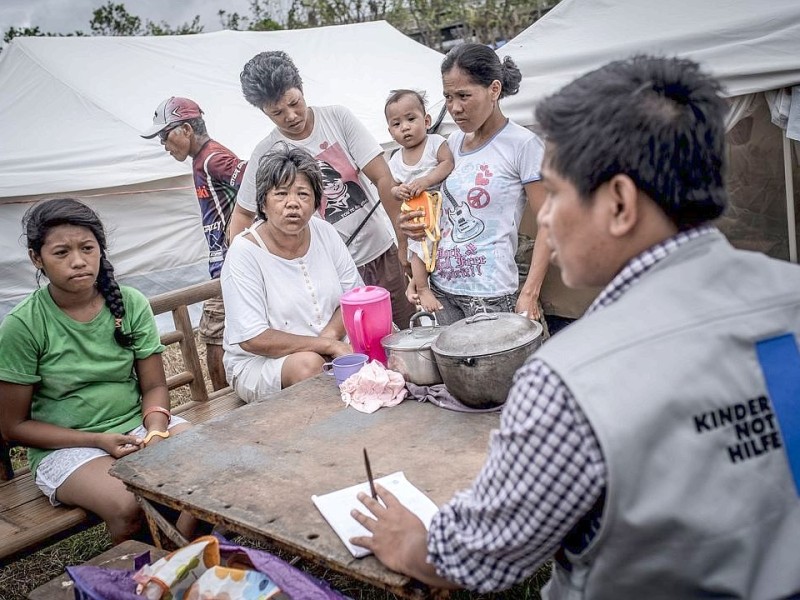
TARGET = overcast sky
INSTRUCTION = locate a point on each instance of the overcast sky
(66, 16)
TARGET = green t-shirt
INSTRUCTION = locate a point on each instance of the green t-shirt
(82, 378)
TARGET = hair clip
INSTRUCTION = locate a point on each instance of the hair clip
(117, 323)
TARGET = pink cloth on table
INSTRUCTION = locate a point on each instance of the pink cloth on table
(372, 387)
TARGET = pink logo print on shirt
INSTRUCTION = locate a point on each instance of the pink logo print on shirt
(478, 197)
(484, 175)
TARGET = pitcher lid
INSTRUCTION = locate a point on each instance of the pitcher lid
(364, 294)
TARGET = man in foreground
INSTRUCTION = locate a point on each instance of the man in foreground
(651, 448)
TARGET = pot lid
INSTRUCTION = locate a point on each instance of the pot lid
(366, 294)
(486, 333)
(416, 338)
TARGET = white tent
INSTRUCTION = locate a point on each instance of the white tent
(71, 110)
(750, 45)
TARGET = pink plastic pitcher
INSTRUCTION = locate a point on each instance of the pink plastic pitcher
(367, 315)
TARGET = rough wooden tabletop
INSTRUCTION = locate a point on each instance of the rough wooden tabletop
(255, 469)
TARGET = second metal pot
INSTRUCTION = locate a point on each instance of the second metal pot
(409, 351)
(478, 356)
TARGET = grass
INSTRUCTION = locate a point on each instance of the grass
(19, 578)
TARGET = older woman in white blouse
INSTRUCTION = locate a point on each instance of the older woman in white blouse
(282, 281)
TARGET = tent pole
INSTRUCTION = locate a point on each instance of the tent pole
(790, 218)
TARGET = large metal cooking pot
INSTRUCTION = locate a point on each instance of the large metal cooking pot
(409, 351)
(478, 356)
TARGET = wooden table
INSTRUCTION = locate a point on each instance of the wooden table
(254, 469)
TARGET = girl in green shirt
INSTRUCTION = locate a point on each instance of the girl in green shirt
(81, 378)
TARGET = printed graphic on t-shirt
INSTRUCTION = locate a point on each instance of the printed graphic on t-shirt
(460, 263)
(217, 174)
(213, 229)
(466, 222)
(464, 226)
(215, 236)
(343, 194)
(213, 209)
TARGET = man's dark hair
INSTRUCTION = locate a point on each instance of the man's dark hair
(657, 120)
(267, 77)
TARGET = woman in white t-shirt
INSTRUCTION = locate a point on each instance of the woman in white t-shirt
(282, 280)
(497, 170)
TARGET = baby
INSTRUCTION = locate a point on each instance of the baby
(423, 162)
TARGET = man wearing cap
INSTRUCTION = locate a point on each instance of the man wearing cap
(218, 172)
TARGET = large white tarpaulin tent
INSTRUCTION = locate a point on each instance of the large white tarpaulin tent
(71, 110)
(753, 47)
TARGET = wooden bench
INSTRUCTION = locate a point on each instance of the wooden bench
(27, 520)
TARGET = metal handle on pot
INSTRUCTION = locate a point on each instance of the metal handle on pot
(484, 316)
(468, 362)
(422, 313)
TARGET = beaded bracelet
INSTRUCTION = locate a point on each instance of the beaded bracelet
(151, 434)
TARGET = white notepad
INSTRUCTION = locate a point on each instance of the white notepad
(336, 507)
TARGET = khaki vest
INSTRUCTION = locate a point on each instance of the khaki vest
(700, 500)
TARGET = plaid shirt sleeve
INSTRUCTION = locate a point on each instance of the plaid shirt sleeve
(544, 471)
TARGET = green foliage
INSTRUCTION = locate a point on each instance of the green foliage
(19, 458)
(260, 18)
(232, 21)
(163, 28)
(427, 19)
(114, 19)
(13, 32)
(490, 21)
(432, 22)
(435, 23)
(319, 13)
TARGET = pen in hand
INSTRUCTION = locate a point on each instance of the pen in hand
(369, 476)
